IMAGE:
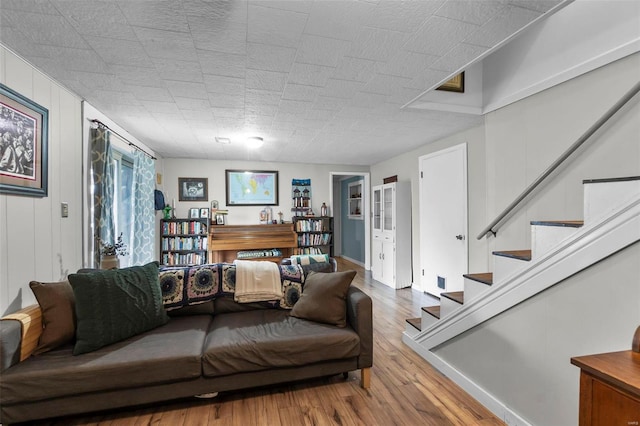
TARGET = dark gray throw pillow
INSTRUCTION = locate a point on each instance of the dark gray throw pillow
(113, 305)
(324, 298)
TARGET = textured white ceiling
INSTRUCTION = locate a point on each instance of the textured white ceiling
(321, 81)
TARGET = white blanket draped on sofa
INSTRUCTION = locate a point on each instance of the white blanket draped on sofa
(257, 281)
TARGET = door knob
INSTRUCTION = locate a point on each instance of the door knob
(460, 237)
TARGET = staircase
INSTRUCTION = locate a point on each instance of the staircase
(553, 243)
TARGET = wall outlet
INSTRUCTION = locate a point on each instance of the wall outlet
(64, 209)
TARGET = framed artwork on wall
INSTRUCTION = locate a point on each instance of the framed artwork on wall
(193, 189)
(24, 135)
(251, 188)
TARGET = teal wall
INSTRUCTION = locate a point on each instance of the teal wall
(352, 229)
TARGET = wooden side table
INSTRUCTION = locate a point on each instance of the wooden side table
(610, 387)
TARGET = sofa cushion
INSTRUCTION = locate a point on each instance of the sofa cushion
(169, 353)
(58, 314)
(189, 285)
(263, 339)
(324, 298)
(116, 304)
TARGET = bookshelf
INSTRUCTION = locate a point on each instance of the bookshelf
(183, 242)
(355, 200)
(314, 234)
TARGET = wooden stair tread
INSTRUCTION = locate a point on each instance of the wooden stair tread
(416, 323)
(434, 311)
(561, 223)
(456, 296)
(484, 278)
(515, 254)
(607, 180)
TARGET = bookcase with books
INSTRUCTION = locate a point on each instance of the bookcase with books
(315, 234)
(183, 242)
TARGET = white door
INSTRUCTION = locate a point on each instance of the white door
(443, 220)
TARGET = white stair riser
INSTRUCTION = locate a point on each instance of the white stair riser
(447, 306)
(603, 198)
(411, 331)
(505, 266)
(473, 288)
(544, 238)
(428, 320)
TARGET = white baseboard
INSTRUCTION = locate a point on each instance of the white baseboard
(469, 386)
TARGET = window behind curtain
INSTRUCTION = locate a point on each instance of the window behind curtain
(123, 200)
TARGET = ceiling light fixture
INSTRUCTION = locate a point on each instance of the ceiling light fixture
(225, 141)
(254, 142)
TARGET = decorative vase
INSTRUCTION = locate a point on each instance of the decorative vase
(109, 262)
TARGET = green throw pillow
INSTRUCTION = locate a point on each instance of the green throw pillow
(116, 304)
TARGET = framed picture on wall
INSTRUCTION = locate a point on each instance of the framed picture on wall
(193, 189)
(24, 131)
(251, 188)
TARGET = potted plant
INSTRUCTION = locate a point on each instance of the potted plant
(109, 253)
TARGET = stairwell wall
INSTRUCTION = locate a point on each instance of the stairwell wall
(521, 357)
(524, 138)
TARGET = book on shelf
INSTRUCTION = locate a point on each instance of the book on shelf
(314, 239)
(175, 259)
(184, 227)
(184, 243)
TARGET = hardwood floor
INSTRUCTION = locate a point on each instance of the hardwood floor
(405, 389)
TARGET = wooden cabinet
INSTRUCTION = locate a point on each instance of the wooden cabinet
(391, 231)
(314, 235)
(183, 242)
(609, 388)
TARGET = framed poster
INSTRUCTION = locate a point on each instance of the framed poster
(193, 189)
(251, 188)
(24, 131)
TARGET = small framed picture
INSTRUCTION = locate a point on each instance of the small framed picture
(219, 219)
(204, 213)
(193, 189)
(194, 213)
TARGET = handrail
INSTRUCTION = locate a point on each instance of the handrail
(510, 210)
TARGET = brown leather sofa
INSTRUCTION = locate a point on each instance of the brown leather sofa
(213, 347)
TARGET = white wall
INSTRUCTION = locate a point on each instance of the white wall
(36, 243)
(407, 168)
(173, 168)
(581, 37)
(522, 356)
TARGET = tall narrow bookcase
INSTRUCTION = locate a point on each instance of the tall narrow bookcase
(183, 242)
(315, 234)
